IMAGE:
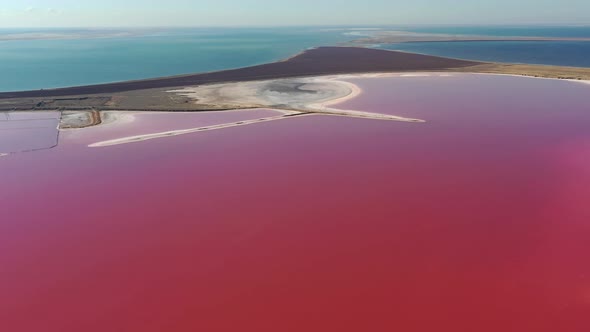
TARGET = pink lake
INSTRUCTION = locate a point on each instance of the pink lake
(477, 220)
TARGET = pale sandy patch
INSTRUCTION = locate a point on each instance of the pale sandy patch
(307, 94)
(415, 75)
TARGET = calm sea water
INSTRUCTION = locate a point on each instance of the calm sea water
(562, 53)
(36, 64)
(51, 63)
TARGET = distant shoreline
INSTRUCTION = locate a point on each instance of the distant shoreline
(405, 38)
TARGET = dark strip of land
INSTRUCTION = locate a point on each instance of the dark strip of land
(318, 61)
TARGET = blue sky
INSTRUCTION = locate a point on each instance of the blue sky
(121, 13)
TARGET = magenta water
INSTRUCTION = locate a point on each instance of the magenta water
(474, 220)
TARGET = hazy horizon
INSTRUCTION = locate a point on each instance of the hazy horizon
(266, 13)
(327, 26)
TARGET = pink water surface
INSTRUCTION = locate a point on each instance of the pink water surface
(478, 220)
(28, 131)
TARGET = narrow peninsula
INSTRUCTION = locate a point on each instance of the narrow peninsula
(307, 82)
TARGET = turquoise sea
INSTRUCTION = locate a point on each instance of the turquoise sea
(99, 56)
(50, 63)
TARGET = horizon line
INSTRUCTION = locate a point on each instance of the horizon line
(399, 25)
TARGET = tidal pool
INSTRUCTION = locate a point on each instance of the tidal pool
(476, 220)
